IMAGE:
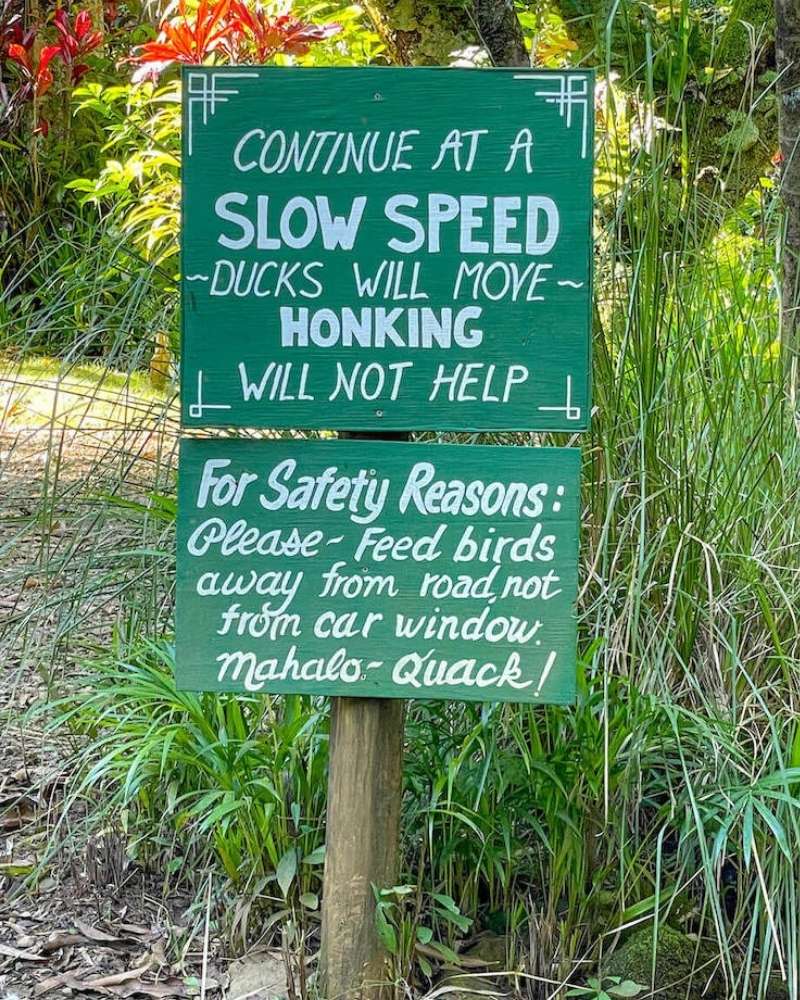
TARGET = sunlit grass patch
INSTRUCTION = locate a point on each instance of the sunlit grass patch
(45, 391)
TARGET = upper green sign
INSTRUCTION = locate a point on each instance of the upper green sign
(387, 248)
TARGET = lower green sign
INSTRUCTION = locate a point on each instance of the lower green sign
(378, 569)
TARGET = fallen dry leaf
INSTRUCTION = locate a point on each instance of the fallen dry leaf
(62, 939)
(23, 956)
(18, 815)
(114, 986)
(85, 934)
(168, 988)
(96, 935)
(138, 930)
(119, 977)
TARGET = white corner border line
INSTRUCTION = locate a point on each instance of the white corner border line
(207, 90)
(568, 408)
(571, 92)
(198, 407)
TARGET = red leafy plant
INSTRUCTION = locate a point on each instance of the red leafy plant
(12, 27)
(36, 73)
(18, 46)
(238, 32)
(184, 39)
(263, 36)
(76, 42)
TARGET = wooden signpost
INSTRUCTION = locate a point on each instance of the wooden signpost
(381, 251)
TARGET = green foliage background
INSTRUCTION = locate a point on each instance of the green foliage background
(666, 800)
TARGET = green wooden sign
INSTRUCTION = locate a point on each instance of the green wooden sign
(386, 248)
(370, 568)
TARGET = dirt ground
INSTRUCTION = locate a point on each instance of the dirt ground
(76, 918)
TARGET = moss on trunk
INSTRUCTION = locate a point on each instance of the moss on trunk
(787, 50)
(420, 33)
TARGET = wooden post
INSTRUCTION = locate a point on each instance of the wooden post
(363, 830)
(365, 787)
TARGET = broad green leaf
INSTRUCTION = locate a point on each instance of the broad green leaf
(386, 932)
(316, 857)
(447, 953)
(286, 870)
(627, 989)
(446, 901)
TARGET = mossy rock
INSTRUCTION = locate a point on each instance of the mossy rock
(776, 989)
(683, 965)
(491, 949)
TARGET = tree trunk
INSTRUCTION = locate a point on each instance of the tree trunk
(422, 33)
(501, 32)
(787, 52)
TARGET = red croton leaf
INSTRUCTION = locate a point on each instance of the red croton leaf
(15, 34)
(43, 78)
(76, 43)
(241, 32)
(39, 75)
(184, 39)
(21, 56)
(267, 36)
(83, 24)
